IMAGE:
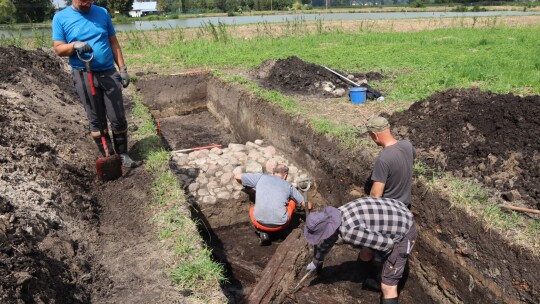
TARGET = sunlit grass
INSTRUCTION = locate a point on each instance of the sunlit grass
(193, 267)
(498, 58)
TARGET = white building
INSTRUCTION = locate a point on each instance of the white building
(143, 9)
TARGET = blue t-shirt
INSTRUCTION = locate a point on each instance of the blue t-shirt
(94, 27)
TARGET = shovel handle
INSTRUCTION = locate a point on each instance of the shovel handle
(197, 148)
(104, 142)
(91, 83)
(87, 64)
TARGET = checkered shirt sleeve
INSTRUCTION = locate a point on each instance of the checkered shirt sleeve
(376, 223)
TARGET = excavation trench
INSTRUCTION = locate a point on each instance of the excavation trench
(197, 109)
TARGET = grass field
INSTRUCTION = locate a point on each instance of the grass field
(495, 57)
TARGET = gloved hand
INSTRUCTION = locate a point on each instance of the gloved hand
(82, 47)
(314, 265)
(125, 76)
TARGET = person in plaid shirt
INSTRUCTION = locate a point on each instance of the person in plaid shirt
(381, 224)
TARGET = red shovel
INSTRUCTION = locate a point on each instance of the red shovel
(110, 166)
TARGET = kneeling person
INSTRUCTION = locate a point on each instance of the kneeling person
(275, 200)
(381, 224)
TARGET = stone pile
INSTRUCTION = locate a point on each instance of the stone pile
(208, 175)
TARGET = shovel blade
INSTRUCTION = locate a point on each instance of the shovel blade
(109, 168)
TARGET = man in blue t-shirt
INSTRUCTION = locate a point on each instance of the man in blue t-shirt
(275, 200)
(83, 30)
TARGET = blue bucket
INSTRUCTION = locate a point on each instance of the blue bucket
(358, 95)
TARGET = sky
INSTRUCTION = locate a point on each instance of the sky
(59, 3)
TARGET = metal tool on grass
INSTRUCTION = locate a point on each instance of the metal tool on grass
(373, 93)
(521, 209)
(110, 166)
(343, 77)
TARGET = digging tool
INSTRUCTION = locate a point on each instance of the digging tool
(110, 166)
(197, 148)
(341, 76)
(297, 287)
(520, 209)
(372, 93)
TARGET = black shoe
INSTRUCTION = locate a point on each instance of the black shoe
(128, 162)
(371, 284)
(264, 238)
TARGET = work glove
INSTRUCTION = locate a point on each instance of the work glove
(124, 76)
(314, 265)
(82, 47)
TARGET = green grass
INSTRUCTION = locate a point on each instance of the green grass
(498, 59)
(474, 198)
(193, 266)
(289, 105)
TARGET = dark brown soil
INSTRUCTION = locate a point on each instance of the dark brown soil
(195, 130)
(293, 75)
(489, 137)
(66, 237)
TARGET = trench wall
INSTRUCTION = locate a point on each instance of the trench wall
(456, 258)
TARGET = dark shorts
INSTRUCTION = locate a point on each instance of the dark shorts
(395, 263)
(106, 104)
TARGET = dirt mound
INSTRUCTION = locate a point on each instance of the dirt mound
(44, 199)
(489, 137)
(65, 237)
(293, 75)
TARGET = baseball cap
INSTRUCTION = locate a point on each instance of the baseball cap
(377, 124)
(321, 225)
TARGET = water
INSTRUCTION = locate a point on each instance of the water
(237, 20)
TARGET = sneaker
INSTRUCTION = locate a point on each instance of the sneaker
(264, 238)
(127, 161)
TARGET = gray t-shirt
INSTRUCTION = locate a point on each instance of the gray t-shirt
(393, 168)
(272, 196)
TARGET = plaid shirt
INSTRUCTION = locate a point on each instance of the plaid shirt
(377, 223)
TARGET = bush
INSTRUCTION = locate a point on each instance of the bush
(418, 3)
(460, 8)
(121, 19)
(477, 8)
(307, 7)
(297, 6)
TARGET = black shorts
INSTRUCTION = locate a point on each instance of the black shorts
(106, 104)
(395, 263)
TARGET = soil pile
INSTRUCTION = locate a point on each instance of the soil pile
(66, 237)
(44, 201)
(489, 137)
(293, 75)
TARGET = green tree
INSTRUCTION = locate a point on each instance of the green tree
(122, 6)
(7, 11)
(33, 10)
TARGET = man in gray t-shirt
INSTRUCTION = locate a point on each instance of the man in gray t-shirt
(392, 173)
(275, 200)
(391, 178)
